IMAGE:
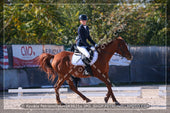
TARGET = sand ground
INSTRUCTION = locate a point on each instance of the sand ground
(150, 96)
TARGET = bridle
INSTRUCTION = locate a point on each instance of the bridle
(120, 48)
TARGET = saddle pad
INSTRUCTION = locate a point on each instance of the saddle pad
(76, 59)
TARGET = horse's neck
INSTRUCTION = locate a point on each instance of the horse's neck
(107, 52)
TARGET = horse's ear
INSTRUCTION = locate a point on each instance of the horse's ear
(120, 38)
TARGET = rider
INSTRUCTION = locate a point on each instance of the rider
(82, 45)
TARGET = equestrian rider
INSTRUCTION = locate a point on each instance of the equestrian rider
(82, 45)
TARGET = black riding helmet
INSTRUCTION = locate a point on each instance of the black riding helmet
(82, 17)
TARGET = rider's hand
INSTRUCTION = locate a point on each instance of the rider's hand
(92, 48)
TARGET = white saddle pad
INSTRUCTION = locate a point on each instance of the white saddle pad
(76, 59)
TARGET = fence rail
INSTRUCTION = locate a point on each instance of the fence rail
(164, 91)
(118, 91)
(21, 92)
(88, 91)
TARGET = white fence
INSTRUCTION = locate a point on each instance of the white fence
(88, 91)
(118, 91)
(21, 92)
(164, 91)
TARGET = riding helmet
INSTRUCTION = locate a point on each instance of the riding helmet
(82, 17)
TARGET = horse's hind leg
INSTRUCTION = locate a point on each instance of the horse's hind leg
(58, 84)
(72, 87)
(57, 93)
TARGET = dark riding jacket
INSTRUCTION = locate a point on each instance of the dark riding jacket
(83, 35)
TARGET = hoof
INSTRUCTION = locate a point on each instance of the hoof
(88, 100)
(60, 103)
(105, 99)
(117, 103)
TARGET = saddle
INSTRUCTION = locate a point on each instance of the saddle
(78, 56)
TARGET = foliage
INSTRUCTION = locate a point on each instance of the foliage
(56, 23)
(1, 22)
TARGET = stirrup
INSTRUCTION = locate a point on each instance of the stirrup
(86, 73)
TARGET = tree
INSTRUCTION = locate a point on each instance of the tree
(54, 23)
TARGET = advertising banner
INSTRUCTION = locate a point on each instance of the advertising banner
(52, 49)
(27, 55)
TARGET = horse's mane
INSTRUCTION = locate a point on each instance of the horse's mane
(107, 43)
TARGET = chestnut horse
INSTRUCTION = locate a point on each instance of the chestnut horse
(60, 64)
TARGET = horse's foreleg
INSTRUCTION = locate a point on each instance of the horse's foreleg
(72, 87)
(106, 80)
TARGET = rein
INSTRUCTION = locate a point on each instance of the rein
(113, 54)
(110, 53)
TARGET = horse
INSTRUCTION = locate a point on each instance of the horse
(60, 65)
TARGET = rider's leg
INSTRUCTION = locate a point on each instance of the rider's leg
(86, 60)
(84, 51)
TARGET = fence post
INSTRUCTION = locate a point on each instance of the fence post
(20, 93)
(140, 92)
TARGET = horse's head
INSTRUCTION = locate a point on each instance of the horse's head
(122, 48)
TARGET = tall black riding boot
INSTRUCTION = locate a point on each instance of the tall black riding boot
(87, 70)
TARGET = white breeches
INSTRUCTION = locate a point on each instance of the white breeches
(84, 51)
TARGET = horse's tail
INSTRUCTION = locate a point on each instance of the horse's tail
(45, 64)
